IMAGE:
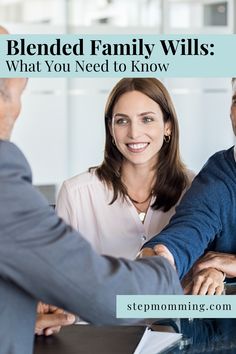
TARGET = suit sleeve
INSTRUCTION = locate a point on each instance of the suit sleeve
(52, 262)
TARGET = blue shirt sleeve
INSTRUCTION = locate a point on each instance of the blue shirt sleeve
(197, 220)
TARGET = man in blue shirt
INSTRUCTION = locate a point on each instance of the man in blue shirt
(205, 218)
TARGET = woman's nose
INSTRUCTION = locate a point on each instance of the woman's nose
(134, 130)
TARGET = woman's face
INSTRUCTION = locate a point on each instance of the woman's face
(138, 128)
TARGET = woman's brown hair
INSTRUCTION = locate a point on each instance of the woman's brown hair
(170, 171)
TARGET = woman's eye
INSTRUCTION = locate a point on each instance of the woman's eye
(148, 119)
(121, 121)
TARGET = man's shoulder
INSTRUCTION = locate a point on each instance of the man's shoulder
(11, 160)
(228, 153)
(220, 159)
(9, 149)
(217, 175)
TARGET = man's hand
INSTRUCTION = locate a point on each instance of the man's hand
(10, 104)
(146, 252)
(158, 250)
(208, 281)
(163, 251)
(50, 319)
(224, 262)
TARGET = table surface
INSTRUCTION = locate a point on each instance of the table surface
(87, 339)
(214, 336)
(200, 336)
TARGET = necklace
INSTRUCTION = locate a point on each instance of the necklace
(141, 213)
(136, 202)
(142, 216)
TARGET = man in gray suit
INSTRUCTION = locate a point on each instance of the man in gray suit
(43, 258)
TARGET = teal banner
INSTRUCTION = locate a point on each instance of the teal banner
(175, 306)
(117, 56)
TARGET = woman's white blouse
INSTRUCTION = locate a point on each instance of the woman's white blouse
(115, 230)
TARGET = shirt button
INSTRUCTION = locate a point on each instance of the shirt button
(144, 238)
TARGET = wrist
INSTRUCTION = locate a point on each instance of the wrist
(223, 274)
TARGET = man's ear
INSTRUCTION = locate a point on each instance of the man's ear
(17, 85)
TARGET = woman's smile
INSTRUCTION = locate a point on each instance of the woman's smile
(137, 147)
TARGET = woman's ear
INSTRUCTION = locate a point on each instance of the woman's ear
(168, 128)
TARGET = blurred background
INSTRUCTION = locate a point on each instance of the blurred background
(61, 129)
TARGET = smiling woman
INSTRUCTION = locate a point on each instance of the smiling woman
(139, 137)
(131, 196)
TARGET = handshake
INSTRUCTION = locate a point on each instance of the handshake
(205, 277)
(158, 250)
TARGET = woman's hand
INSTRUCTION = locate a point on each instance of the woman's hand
(50, 319)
